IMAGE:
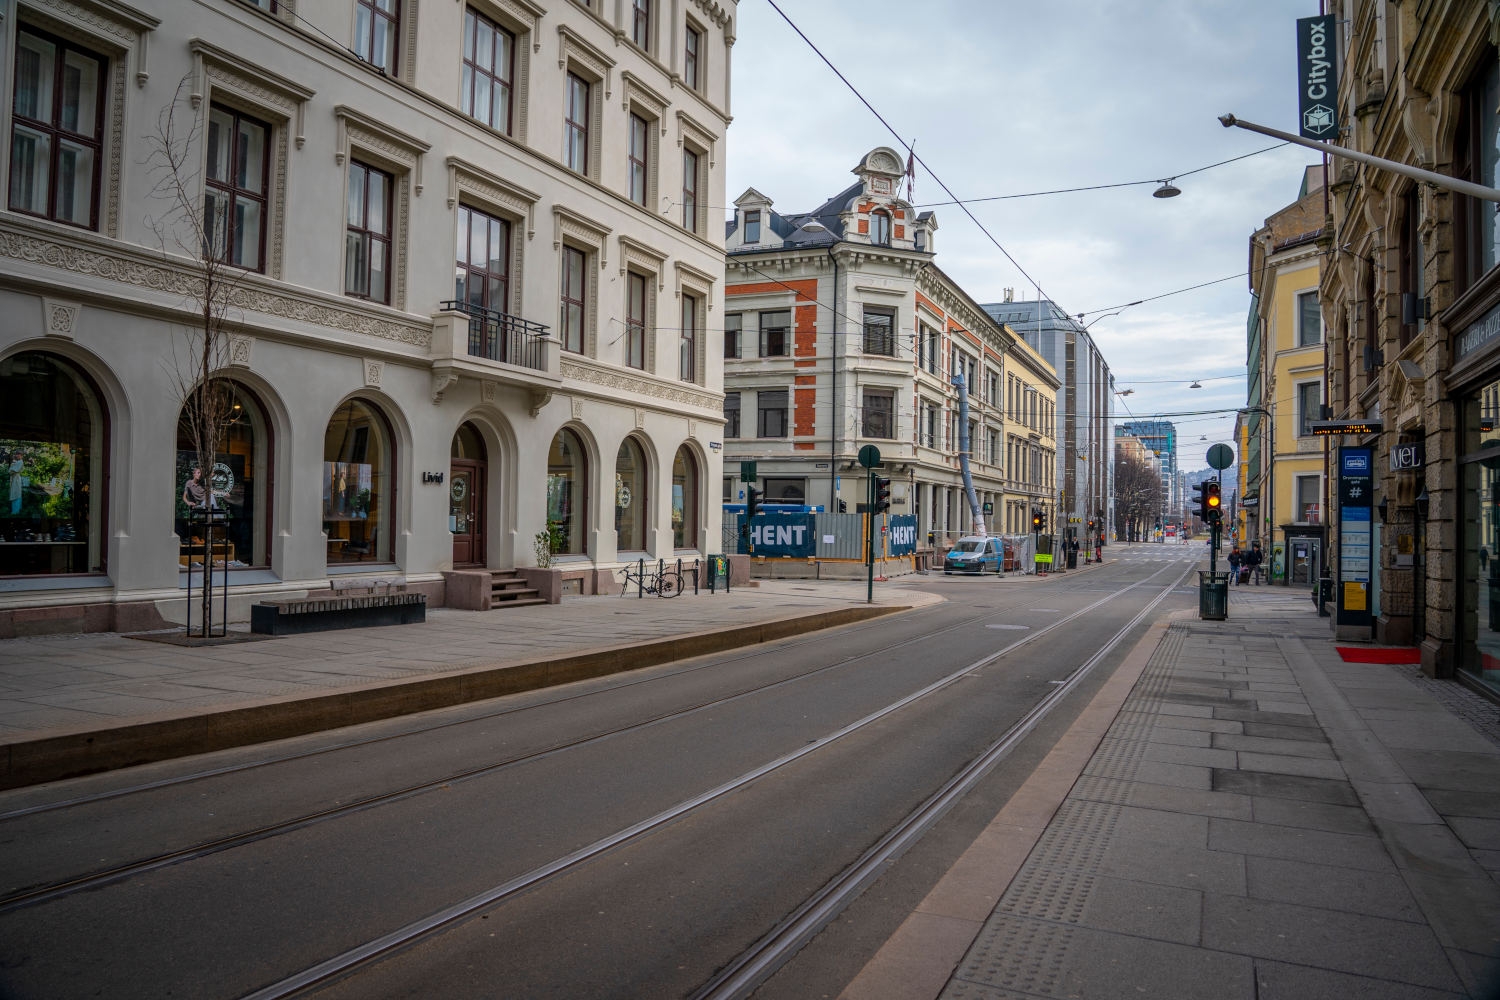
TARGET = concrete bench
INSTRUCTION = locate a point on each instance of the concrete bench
(320, 613)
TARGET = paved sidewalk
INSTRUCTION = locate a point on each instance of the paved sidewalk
(71, 704)
(1238, 814)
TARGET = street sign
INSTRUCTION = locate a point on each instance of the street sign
(1221, 456)
(869, 456)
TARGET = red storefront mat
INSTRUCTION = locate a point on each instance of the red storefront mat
(1389, 654)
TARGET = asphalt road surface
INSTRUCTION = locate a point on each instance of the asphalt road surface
(635, 836)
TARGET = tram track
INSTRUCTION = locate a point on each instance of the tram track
(751, 968)
(59, 888)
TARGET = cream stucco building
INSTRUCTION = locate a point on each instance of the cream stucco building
(476, 279)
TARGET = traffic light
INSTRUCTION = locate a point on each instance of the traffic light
(1201, 500)
(752, 502)
(1036, 519)
(843, 507)
(882, 494)
(1213, 503)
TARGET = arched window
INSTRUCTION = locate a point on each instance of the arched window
(880, 228)
(51, 449)
(235, 481)
(357, 466)
(684, 500)
(567, 491)
(630, 497)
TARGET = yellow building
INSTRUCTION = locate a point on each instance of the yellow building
(1285, 463)
(1030, 385)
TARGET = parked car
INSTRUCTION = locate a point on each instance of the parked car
(973, 554)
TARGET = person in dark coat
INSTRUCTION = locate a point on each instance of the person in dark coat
(1256, 556)
(1235, 558)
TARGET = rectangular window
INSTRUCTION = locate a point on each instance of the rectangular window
(992, 389)
(752, 226)
(576, 125)
(929, 425)
(1309, 320)
(635, 320)
(1309, 405)
(878, 414)
(690, 57)
(731, 414)
(770, 413)
(687, 344)
(236, 173)
(640, 149)
(56, 146)
(640, 23)
(482, 271)
(775, 333)
(993, 450)
(375, 30)
(488, 70)
(880, 332)
(690, 190)
(732, 324)
(367, 239)
(574, 299)
(1309, 495)
(786, 490)
(1477, 158)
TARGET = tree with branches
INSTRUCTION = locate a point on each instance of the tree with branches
(1138, 495)
(195, 229)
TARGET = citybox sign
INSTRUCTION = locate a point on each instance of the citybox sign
(1317, 78)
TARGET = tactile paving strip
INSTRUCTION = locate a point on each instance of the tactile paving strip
(1024, 945)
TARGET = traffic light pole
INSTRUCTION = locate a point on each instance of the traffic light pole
(870, 539)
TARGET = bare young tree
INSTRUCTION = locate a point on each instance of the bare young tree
(194, 228)
(1138, 494)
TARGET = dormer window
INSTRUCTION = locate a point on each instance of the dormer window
(919, 240)
(880, 228)
(752, 226)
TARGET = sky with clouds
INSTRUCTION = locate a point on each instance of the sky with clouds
(1010, 97)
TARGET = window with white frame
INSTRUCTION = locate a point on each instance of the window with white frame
(1309, 320)
(1309, 498)
(878, 414)
(929, 437)
(1309, 406)
(770, 413)
(880, 331)
(639, 159)
(776, 333)
(640, 23)
(752, 226)
(692, 58)
(691, 177)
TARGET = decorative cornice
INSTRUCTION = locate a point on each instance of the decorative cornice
(643, 257)
(566, 222)
(581, 371)
(500, 193)
(715, 12)
(270, 91)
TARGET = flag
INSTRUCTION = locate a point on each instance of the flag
(911, 169)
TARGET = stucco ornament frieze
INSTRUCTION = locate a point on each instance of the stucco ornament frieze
(176, 279)
(616, 381)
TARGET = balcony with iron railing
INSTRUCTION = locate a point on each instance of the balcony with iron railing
(485, 343)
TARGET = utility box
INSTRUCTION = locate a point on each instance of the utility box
(1213, 596)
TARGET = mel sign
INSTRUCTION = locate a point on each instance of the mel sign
(1317, 77)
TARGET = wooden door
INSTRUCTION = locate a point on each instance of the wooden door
(466, 512)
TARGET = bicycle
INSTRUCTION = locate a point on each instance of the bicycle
(666, 583)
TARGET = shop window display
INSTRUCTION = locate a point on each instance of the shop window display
(684, 500)
(1480, 582)
(356, 485)
(630, 497)
(567, 492)
(51, 434)
(234, 483)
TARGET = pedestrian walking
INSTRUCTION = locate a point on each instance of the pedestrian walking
(1235, 558)
(1257, 556)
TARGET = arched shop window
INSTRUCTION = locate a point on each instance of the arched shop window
(630, 497)
(236, 481)
(684, 500)
(567, 491)
(357, 467)
(52, 450)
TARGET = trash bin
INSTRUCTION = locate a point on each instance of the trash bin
(1213, 596)
(1072, 558)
